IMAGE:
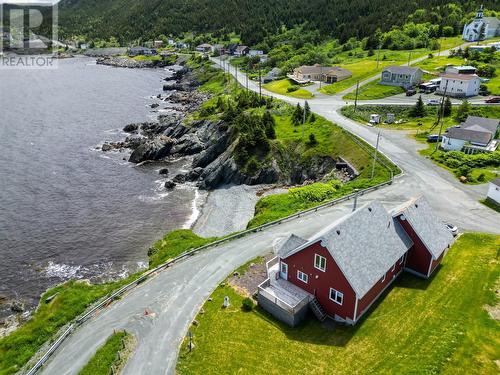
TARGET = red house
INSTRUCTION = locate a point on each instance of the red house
(341, 271)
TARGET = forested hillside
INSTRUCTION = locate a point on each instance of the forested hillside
(253, 19)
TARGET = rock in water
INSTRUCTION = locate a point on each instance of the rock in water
(131, 128)
(169, 185)
(164, 171)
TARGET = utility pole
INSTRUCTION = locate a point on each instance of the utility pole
(304, 119)
(356, 99)
(236, 73)
(376, 154)
(321, 76)
(356, 194)
(246, 81)
(409, 58)
(441, 116)
(260, 83)
(378, 54)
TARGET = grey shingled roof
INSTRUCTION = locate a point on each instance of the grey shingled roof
(364, 244)
(290, 244)
(429, 228)
(489, 124)
(496, 182)
(472, 134)
(401, 69)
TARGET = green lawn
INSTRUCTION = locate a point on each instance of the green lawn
(71, 300)
(418, 327)
(173, 244)
(374, 90)
(106, 356)
(281, 87)
(422, 125)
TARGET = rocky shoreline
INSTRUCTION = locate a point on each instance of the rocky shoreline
(211, 144)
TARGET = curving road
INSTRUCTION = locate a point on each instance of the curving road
(174, 296)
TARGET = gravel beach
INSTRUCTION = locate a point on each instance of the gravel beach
(228, 209)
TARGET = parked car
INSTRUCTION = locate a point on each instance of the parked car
(433, 138)
(452, 228)
(433, 102)
(411, 92)
(495, 99)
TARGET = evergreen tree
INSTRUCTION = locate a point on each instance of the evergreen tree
(298, 115)
(269, 124)
(419, 109)
(312, 118)
(447, 107)
(307, 109)
(463, 111)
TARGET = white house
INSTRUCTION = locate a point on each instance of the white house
(481, 27)
(482, 47)
(463, 69)
(459, 85)
(494, 191)
(476, 134)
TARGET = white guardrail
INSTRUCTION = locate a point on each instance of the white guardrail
(80, 320)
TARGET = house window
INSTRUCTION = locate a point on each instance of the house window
(302, 276)
(319, 262)
(336, 296)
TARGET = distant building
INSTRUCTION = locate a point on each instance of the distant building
(158, 44)
(459, 85)
(328, 74)
(476, 134)
(255, 52)
(274, 74)
(403, 76)
(483, 47)
(464, 69)
(241, 51)
(481, 27)
(218, 48)
(205, 48)
(141, 51)
(494, 191)
(171, 42)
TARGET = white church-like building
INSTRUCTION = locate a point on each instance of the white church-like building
(481, 27)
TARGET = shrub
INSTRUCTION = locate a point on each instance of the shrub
(312, 139)
(292, 88)
(247, 304)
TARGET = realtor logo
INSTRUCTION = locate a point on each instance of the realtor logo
(28, 34)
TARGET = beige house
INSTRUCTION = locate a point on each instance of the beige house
(328, 74)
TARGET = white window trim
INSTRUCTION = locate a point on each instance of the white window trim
(337, 294)
(383, 278)
(393, 267)
(304, 274)
(402, 259)
(316, 256)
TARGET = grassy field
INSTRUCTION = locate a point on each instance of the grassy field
(71, 299)
(366, 67)
(374, 90)
(422, 125)
(477, 168)
(418, 327)
(173, 244)
(331, 141)
(106, 356)
(281, 87)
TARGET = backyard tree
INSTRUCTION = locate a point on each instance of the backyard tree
(463, 110)
(447, 107)
(419, 109)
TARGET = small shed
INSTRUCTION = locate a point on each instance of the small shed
(374, 119)
(390, 118)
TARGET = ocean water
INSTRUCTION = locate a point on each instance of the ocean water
(68, 210)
